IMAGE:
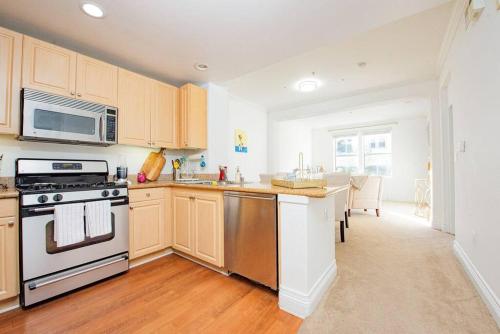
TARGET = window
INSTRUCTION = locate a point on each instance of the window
(364, 153)
(377, 154)
(347, 152)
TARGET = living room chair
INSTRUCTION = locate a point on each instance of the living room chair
(338, 180)
(366, 193)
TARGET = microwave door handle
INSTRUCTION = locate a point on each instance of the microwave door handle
(101, 125)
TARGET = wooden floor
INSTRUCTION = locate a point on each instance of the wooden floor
(169, 295)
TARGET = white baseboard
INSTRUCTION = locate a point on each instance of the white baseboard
(303, 305)
(486, 293)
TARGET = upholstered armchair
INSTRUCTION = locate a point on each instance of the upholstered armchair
(366, 193)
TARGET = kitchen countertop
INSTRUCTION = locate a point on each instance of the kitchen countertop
(247, 187)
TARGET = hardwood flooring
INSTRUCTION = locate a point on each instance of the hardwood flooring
(169, 295)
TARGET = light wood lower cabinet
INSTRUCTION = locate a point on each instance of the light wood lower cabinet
(198, 224)
(147, 223)
(10, 80)
(9, 272)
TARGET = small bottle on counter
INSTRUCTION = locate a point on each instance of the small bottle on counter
(237, 177)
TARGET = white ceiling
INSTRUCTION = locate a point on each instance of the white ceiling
(165, 38)
(398, 53)
(410, 108)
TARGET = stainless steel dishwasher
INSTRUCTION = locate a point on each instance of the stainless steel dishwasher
(250, 236)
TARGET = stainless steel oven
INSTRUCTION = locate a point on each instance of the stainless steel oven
(48, 269)
(48, 117)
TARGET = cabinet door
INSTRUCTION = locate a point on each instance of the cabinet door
(133, 109)
(168, 217)
(10, 80)
(182, 223)
(147, 227)
(96, 81)
(164, 115)
(48, 67)
(193, 114)
(8, 257)
(208, 227)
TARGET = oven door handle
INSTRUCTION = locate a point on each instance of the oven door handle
(51, 208)
(55, 280)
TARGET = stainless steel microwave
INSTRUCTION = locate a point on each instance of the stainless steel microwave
(54, 118)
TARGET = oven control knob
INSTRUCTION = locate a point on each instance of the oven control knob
(105, 193)
(116, 192)
(42, 199)
(57, 197)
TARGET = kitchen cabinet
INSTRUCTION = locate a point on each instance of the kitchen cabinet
(10, 80)
(48, 67)
(96, 81)
(60, 71)
(182, 222)
(8, 249)
(198, 224)
(147, 111)
(146, 222)
(134, 126)
(164, 115)
(193, 117)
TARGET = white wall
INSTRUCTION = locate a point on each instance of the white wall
(252, 119)
(410, 154)
(286, 140)
(473, 66)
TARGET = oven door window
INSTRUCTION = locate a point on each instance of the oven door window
(51, 245)
(62, 122)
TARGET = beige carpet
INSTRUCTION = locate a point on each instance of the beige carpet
(396, 275)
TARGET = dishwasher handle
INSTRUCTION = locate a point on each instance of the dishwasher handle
(265, 197)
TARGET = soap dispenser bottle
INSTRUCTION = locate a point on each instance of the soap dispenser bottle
(237, 177)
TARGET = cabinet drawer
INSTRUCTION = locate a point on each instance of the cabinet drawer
(139, 195)
(8, 207)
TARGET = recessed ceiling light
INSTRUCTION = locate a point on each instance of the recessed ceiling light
(308, 85)
(92, 9)
(201, 67)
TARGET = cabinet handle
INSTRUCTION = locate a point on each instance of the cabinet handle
(72, 93)
(191, 197)
(79, 95)
(148, 195)
(11, 223)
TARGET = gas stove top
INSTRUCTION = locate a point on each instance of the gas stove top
(43, 181)
(46, 187)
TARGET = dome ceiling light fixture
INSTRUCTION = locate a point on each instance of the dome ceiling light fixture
(309, 84)
(92, 9)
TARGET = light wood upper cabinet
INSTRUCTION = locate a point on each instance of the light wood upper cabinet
(164, 115)
(198, 224)
(96, 81)
(208, 227)
(146, 227)
(48, 67)
(134, 103)
(182, 222)
(193, 117)
(9, 272)
(10, 80)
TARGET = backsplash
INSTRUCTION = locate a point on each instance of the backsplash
(134, 156)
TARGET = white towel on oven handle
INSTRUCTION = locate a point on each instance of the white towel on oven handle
(98, 218)
(69, 226)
